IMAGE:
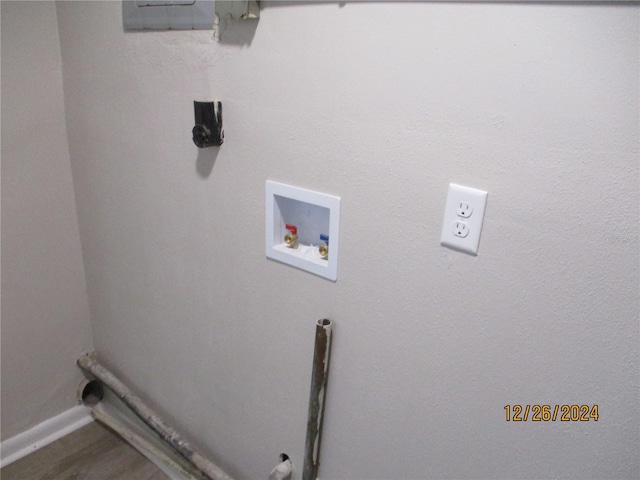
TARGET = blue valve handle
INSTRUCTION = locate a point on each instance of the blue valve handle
(324, 238)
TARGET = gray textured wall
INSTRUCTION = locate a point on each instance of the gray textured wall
(45, 312)
(382, 105)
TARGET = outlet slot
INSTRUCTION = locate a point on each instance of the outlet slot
(460, 229)
(464, 209)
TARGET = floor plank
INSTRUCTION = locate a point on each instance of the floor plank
(90, 453)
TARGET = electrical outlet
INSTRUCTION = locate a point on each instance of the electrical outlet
(463, 217)
(460, 229)
(464, 209)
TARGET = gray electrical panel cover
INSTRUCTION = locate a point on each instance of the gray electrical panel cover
(168, 14)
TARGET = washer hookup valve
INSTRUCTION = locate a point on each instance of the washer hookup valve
(291, 238)
(324, 247)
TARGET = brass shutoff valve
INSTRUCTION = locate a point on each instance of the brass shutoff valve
(291, 238)
(324, 247)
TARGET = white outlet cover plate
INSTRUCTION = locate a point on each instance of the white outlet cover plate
(477, 199)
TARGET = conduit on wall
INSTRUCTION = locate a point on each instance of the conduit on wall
(148, 416)
(175, 468)
(317, 396)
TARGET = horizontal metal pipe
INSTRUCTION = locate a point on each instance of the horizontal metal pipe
(148, 416)
(145, 447)
(317, 396)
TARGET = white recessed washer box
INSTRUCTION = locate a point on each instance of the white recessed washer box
(313, 214)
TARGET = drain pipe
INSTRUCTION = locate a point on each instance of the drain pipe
(148, 416)
(171, 466)
(317, 396)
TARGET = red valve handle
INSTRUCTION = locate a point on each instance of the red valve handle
(292, 228)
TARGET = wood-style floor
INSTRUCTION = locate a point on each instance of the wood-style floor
(90, 453)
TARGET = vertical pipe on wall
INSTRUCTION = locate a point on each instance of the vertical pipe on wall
(319, 376)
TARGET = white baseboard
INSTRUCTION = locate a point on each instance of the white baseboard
(43, 434)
